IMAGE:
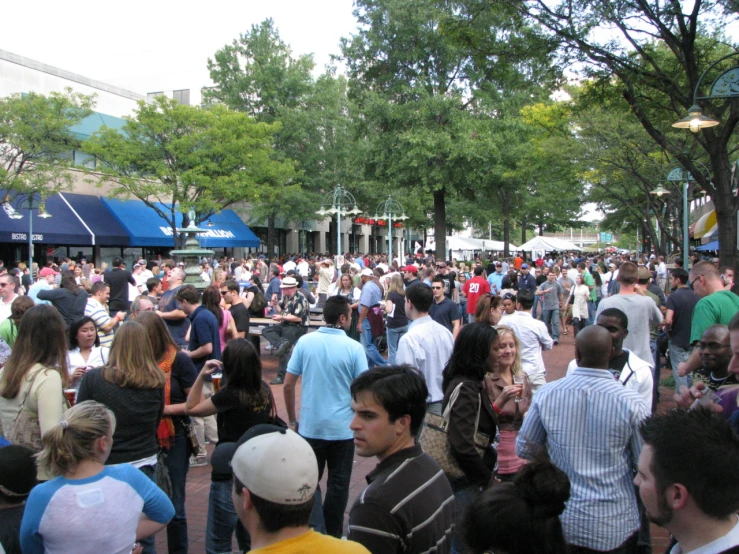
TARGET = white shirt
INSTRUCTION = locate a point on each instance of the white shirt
(303, 269)
(428, 347)
(5, 309)
(636, 375)
(98, 357)
(533, 336)
(729, 540)
(288, 265)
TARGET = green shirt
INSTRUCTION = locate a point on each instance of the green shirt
(588, 280)
(715, 308)
(8, 331)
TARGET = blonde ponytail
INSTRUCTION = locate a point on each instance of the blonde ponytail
(72, 440)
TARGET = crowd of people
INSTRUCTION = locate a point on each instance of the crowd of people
(114, 381)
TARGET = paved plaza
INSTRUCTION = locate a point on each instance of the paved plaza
(198, 482)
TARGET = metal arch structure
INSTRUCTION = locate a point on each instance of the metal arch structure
(339, 201)
(389, 210)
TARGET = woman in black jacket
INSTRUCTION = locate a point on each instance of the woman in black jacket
(69, 299)
(475, 353)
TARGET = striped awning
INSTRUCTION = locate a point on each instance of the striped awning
(706, 226)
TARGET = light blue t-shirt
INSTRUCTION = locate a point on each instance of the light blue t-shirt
(93, 515)
(371, 294)
(329, 361)
(495, 280)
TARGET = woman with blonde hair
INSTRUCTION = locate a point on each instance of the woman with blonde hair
(33, 380)
(488, 309)
(89, 507)
(172, 433)
(131, 385)
(510, 394)
(397, 321)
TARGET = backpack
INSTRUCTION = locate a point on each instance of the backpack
(258, 304)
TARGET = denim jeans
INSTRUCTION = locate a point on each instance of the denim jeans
(149, 543)
(222, 521)
(393, 338)
(339, 457)
(533, 308)
(677, 356)
(464, 495)
(654, 347)
(277, 334)
(551, 319)
(178, 463)
(365, 338)
(591, 312)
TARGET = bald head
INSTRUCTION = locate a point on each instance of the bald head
(593, 347)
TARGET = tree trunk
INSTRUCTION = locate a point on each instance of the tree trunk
(523, 230)
(271, 236)
(440, 224)
(725, 204)
(506, 227)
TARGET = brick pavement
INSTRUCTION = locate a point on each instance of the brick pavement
(198, 481)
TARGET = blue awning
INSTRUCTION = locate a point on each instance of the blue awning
(101, 223)
(62, 228)
(713, 245)
(146, 228)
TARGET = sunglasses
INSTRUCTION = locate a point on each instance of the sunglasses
(436, 288)
(509, 296)
(694, 280)
(224, 292)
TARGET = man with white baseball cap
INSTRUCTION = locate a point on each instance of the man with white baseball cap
(275, 477)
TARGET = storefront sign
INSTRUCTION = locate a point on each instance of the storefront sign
(212, 233)
(24, 237)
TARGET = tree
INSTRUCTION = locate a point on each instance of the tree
(657, 52)
(425, 90)
(185, 158)
(36, 140)
(258, 75)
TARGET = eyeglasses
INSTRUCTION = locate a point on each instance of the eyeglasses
(694, 280)
(712, 346)
(436, 288)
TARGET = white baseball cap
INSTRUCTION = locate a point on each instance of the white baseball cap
(367, 272)
(279, 467)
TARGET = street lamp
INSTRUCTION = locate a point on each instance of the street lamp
(340, 201)
(390, 208)
(723, 87)
(29, 202)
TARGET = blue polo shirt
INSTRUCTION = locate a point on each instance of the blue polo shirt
(204, 329)
(328, 361)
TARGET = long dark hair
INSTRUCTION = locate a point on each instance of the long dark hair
(212, 302)
(69, 282)
(470, 354)
(242, 369)
(41, 340)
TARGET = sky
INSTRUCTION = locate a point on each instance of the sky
(162, 45)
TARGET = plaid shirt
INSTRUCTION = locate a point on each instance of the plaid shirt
(295, 305)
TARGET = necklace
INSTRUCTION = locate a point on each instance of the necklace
(329, 326)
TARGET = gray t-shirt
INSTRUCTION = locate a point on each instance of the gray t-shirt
(551, 300)
(641, 311)
(566, 283)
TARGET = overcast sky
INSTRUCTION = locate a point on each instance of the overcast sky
(159, 44)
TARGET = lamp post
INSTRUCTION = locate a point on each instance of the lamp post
(29, 202)
(340, 200)
(723, 87)
(388, 209)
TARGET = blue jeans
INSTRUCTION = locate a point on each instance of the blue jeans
(591, 312)
(339, 457)
(677, 356)
(551, 319)
(533, 308)
(464, 495)
(222, 521)
(393, 338)
(654, 347)
(149, 543)
(365, 338)
(178, 463)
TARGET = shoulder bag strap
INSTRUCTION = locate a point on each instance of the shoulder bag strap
(25, 397)
(447, 415)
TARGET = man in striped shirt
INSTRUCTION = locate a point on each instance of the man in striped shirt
(408, 505)
(97, 310)
(589, 424)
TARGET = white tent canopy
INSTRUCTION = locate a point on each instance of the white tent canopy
(548, 244)
(463, 244)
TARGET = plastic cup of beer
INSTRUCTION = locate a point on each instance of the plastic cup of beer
(216, 381)
(70, 395)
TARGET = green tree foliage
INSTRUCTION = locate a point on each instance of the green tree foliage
(258, 74)
(189, 158)
(36, 141)
(657, 50)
